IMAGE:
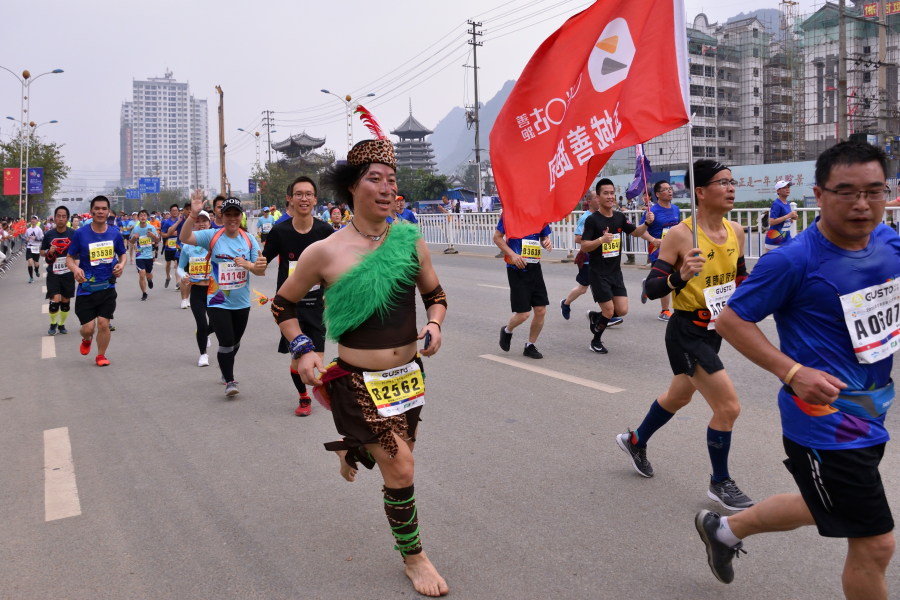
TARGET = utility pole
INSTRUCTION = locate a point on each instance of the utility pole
(222, 177)
(842, 72)
(195, 149)
(269, 134)
(882, 75)
(475, 43)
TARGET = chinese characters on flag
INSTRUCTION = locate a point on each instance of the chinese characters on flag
(12, 179)
(582, 96)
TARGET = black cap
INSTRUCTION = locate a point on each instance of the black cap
(232, 203)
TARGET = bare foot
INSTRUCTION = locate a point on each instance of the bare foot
(347, 472)
(424, 576)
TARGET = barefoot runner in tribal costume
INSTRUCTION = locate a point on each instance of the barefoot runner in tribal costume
(375, 389)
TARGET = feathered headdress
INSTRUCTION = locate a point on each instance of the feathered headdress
(369, 121)
(379, 150)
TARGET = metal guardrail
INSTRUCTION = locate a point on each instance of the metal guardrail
(14, 248)
(477, 229)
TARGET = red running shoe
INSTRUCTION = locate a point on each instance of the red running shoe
(101, 361)
(86, 346)
(305, 408)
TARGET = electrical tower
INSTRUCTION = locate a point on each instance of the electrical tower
(475, 44)
(268, 123)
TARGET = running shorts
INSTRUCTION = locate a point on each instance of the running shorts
(526, 288)
(605, 287)
(98, 304)
(842, 489)
(309, 314)
(689, 345)
(263, 236)
(64, 285)
(171, 254)
(584, 275)
(144, 264)
(29, 255)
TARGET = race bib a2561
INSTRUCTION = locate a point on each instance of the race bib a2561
(872, 316)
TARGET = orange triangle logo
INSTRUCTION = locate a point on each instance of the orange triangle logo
(609, 44)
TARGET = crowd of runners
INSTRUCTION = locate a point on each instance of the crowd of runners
(832, 290)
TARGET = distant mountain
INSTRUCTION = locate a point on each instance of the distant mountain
(453, 143)
(769, 17)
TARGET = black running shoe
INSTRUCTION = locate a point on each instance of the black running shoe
(644, 291)
(143, 296)
(150, 283)
(638, 455)
(565, 308)
(718, 555)
(532, 351)
(62, 329)
(505, 339)
(598, 347)
(615, 321)
(729, 495)
(592, 316)
(167, 282)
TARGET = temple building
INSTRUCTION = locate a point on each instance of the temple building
(412, 150)
(299, 149)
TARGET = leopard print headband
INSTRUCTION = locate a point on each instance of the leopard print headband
(373, 151)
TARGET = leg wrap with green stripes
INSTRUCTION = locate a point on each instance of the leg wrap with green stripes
(400, 508)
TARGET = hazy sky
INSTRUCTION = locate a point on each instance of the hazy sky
(269, 55)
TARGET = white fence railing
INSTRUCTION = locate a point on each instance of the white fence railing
(477, 229)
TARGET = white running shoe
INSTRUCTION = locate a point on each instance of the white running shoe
(187, 302)
(184, 304)
(204, 360)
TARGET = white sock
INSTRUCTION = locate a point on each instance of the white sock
(506, 329)
(725, 535)
(528, 344)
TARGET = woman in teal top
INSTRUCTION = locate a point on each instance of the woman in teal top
(193, 270)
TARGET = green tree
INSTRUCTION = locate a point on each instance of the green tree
(46, 155)
(273, 178)
(420, 184)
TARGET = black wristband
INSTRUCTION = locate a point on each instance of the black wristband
(676, 281)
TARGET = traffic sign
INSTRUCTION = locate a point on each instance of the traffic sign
(252, 186)
(133, 194)
(148, 185)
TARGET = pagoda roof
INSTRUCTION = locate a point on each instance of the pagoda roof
(412, 127)
(303, 142)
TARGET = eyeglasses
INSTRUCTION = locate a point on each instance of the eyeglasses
(724, 182)
(879, 195)
(309, 195)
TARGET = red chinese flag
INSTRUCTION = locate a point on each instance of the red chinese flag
(612, 76)
(11, 182)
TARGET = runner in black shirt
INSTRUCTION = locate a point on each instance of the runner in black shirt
(602, 239)
(287, 240)
(60, 281)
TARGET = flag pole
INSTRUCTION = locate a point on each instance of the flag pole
(691, 179)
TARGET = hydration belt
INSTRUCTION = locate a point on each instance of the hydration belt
(96, 286)
(866, 404)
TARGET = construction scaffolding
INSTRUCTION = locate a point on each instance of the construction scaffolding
(765, 89)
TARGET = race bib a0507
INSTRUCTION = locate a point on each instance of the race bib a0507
(716, 298)
(872, 316)
(396, 391)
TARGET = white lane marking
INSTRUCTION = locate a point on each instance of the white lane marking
(45, 309)
(156, 262)
(60, 489)
(499, 287)
(44, 289)
(555, 374)
(48, 347)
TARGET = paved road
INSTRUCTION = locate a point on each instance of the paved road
(522, 490)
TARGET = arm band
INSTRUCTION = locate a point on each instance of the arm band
(662, 280)
(741, 271)
(435, 296)
(300, 346)
(283, 310)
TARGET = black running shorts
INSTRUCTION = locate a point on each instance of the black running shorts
(64, 285)
(842, 489)
(605, 287)
(309, 314)
(98, 304)
(689, 345)
(29, 255)
(170, 254)
(584, 275)
(526, 288)
(144, 264)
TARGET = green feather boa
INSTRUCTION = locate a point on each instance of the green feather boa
(374, 283)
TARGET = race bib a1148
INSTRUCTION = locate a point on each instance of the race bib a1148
(872, 316)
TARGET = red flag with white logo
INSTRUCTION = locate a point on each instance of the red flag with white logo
(11, 182)
(612, 76)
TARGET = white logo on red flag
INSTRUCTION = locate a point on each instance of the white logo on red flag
(611, 57)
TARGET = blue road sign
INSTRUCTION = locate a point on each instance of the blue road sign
(252, 186)
(36, 180)
(148, 185)
(133, 194)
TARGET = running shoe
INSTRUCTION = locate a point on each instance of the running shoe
(37, 273)
(644, 297)
(150, 283)
(52, 330)
(305, 408)
(187, 302)
(223, 380)
(177, 285)
(665, 315)
(565, 308)
(505, 339)
(592, 316)
(184, 304)
(638, 455)
(168, 279)
(729, 495)
(204, 360)
(143, 296)
(598, 347)
(231, 389)
(86, 346)
(31, 280)
(102, 361)
(112, 327)
(615, 321)
(62, 329)
(718, 554)
(531, 351)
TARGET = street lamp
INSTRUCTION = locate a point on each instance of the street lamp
(26, 80)
(351, 107)
(28, 152)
